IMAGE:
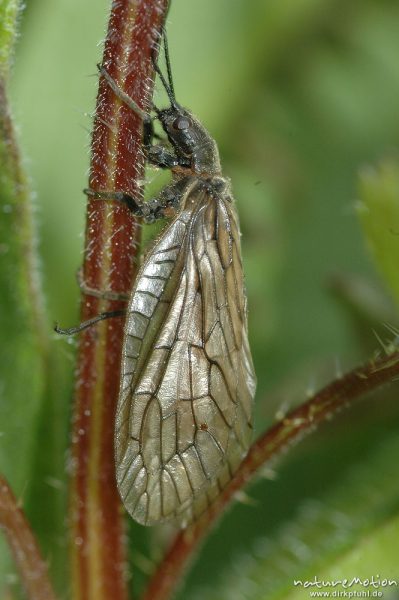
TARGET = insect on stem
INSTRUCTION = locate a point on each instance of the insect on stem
(184, 415)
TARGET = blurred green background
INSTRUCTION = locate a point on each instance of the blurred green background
(301, 95)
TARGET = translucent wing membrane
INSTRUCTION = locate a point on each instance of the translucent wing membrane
(184, 413)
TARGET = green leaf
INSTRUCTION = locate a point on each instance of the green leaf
(378, 212)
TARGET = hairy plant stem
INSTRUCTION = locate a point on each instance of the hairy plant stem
(300, 422)
(31, 566)
(110, 261)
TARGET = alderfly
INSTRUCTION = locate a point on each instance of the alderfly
(184, 414)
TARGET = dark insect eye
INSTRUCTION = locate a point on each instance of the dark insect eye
(182, 123)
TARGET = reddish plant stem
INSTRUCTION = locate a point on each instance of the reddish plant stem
(32, 568)
(295, 426)
(112, 237)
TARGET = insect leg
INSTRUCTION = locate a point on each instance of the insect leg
(110, 295)
(148, 128)
(153, 209)
(123, 96)
(149, 211)
(86, 324)
(163, 158)
(133, 205)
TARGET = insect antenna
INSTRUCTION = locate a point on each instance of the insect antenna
(168, 86)
(156, 110)
(168, 67)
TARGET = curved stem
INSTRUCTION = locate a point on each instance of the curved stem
(112, 238)
(31, 566)
(300, 422)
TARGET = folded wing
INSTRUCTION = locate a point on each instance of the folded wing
(184, 413)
